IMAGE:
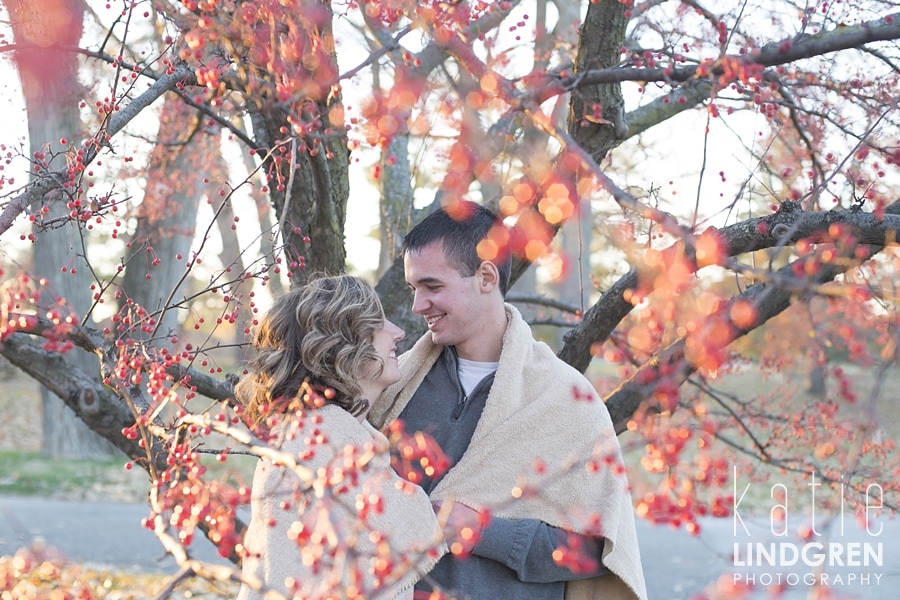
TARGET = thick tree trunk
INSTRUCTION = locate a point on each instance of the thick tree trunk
(575, 237)
(52, 92)
(597, 112)
(232, 258)
(311, 210)
(307, 168)
(268, 224)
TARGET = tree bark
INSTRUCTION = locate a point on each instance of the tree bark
(597, 112)
(307, 170)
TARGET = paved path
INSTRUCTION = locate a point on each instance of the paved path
(676, 565)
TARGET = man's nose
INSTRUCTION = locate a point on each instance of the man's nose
(419, 303)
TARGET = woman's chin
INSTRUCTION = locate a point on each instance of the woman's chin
(394, 376)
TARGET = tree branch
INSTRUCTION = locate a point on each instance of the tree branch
(95, 404)
(93, 341)
(748, 236)
(669, 368)
(772, 54)
(48, 182)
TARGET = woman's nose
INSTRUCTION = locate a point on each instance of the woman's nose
(397, 333)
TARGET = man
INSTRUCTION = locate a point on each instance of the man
(531, 445)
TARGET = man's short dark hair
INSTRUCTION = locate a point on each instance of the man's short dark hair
(460, 235)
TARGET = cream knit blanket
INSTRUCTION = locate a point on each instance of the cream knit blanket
(544, 449)
(380, 551)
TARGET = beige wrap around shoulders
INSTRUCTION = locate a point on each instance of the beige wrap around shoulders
(351, 466)
(544, 449)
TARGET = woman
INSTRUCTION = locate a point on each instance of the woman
(330, 518)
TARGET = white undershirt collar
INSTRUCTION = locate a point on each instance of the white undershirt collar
(471, 372)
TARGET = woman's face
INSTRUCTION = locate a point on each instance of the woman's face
(385, 341)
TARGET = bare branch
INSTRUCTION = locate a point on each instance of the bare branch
(776, 53)
(544, 301)
(670, 367)
(95, 404)
(48, 182)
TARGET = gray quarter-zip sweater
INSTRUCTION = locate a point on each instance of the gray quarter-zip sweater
(513, 559)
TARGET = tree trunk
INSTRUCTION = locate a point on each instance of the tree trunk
(268, 224)
(52, 92)
(597, 112)
(308, 168)
(575, 235)
(230, 333)
(575, 238)
(396, 205)
(167, 216)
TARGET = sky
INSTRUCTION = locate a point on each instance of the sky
(15, 130)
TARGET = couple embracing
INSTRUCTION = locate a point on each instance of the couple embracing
(535, 502)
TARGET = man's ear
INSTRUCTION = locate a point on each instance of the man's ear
(489, 276)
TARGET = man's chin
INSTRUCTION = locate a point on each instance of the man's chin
(438, 339)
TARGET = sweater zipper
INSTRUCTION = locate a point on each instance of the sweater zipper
(460, 406)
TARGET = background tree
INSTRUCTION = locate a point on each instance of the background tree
(461, 100)
(166, 217)
(52, 92)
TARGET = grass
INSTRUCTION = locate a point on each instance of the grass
(29, 473)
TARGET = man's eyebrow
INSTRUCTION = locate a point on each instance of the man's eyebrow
(424, 281)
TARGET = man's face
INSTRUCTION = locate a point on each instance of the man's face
(451, 304)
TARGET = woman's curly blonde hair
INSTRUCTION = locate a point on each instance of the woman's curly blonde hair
(318, 336)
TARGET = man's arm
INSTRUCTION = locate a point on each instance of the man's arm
(528, 547)
(536, 551)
